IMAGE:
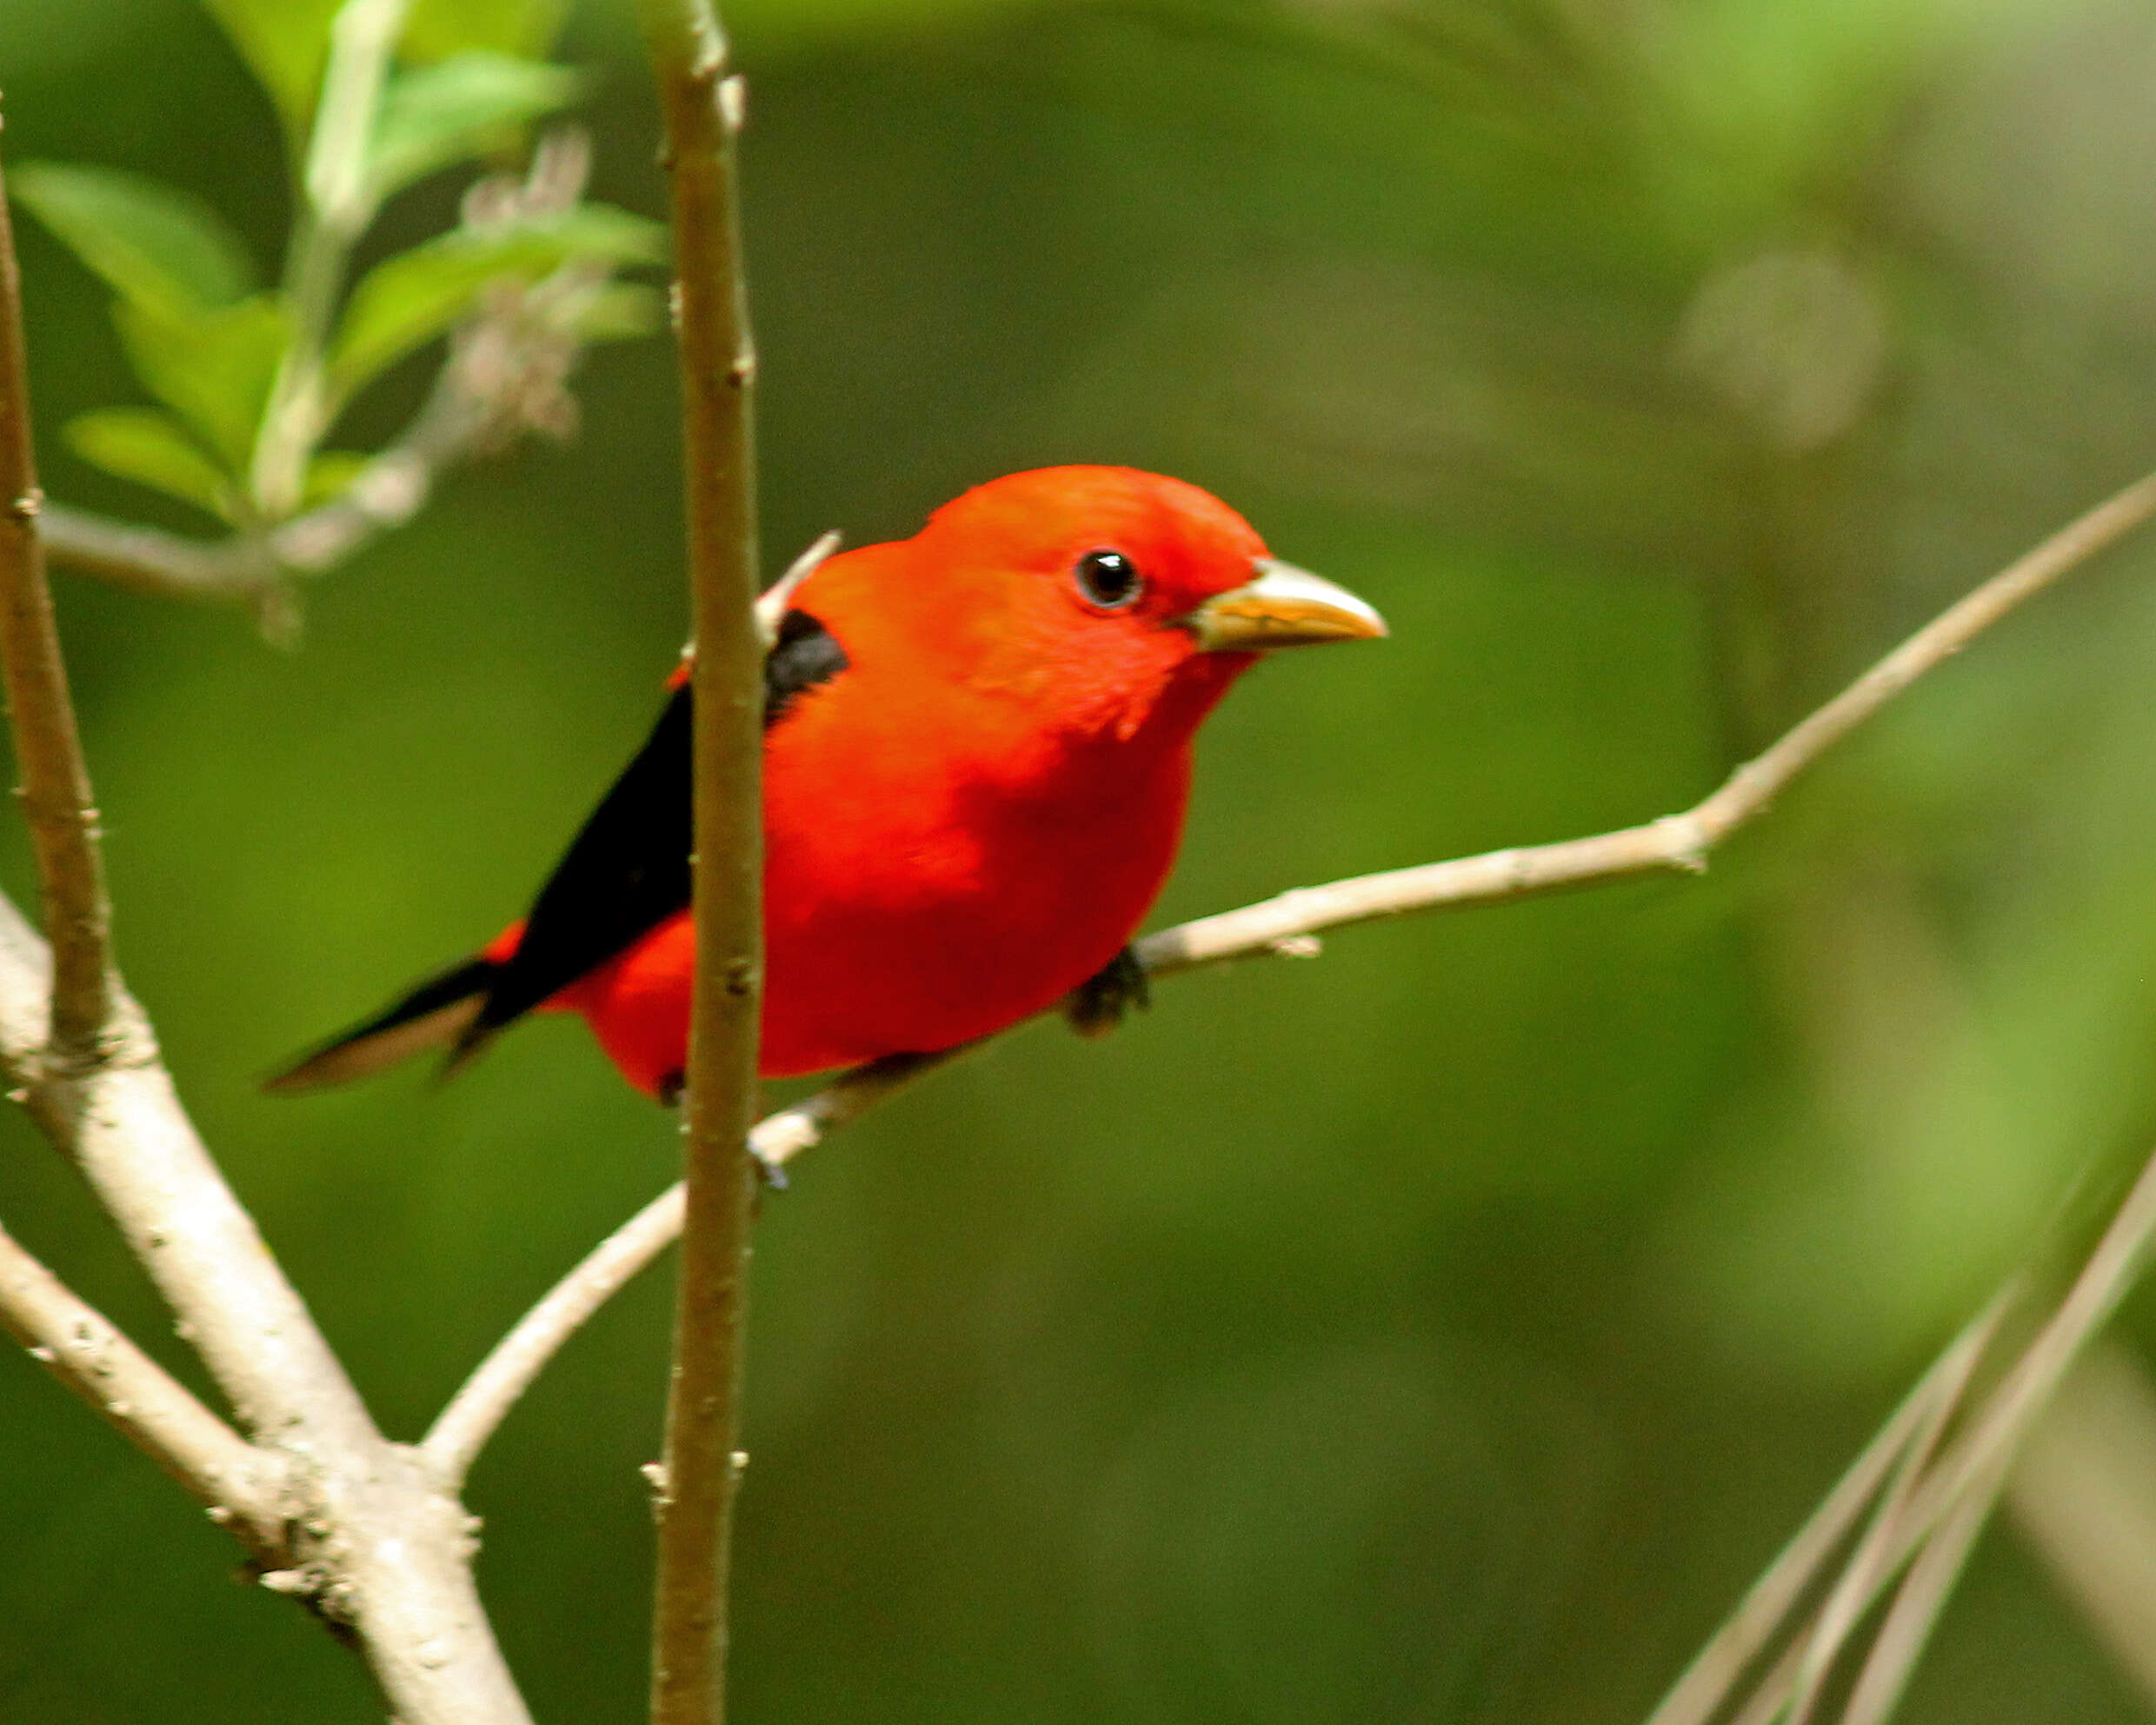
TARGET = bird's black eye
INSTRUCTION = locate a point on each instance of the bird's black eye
(1109, 579)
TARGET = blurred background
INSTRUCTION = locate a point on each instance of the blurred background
(1447, 1329)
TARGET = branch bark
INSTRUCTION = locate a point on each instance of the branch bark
(1288, 925)
(242, 1487)
(57, 797)
(696, 1485)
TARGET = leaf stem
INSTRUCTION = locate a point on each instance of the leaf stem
(335, 211)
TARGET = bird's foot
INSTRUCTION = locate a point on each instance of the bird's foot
(1096, 1006)
(770, 1175)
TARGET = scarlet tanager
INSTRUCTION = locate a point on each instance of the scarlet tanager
(976, 764)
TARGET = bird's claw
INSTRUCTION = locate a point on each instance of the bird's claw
(1096, 1006)
(770, 1175)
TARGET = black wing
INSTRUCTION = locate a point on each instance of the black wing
(627, 871)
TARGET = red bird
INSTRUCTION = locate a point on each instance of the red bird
(976, 762)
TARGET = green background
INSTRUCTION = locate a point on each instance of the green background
(1449, 1329)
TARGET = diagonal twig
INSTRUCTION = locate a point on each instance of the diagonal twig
(1766, 1609)
(243, 1487)
(1870, 1564)
(1920, 1536)
(2083, 1495)
(1285, 925)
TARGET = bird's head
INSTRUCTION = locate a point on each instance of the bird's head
(1103, 601)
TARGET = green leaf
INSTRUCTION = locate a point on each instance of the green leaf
(155, 244)
(462, 107)
(148, 446)
(214, 368)
(331, 474)
(617, 311)
(406, 301)
(286, 43)
(438, 29)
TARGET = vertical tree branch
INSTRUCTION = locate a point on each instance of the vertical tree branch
(57, 797)
(718, 366)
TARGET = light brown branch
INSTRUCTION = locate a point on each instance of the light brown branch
(480, 1406)
(1678, 841)
(461, 1433)
(1920, 1534)
(1285, 926)
(57, 798)
(2083, 1495)
(242, 1487)
(1764, 1614)
(698, 1477)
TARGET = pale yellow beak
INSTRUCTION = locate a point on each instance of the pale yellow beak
(1283, 607)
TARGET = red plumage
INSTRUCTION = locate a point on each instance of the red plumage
(970, 814)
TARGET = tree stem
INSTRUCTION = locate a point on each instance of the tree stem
(718, 368)
(57, 798)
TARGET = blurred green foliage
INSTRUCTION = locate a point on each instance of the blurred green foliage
(251, 380)
(1445, 1330)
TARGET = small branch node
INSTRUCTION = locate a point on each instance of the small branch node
(1296, 946)
(1685, 842)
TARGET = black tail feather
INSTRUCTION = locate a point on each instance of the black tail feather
(441, 1011)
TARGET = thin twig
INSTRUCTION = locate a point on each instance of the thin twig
(1869, 1565)
(1921, 1597)
(57, 798)
(1678, 841)
(1992, 1435)
(465, 1425)
(700, 1473)
(1284, 926)
(1713, 1672)
(480, 1406)
(2083, 1493)
(389, 490)
(242, 1487)
(1924, 1536)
